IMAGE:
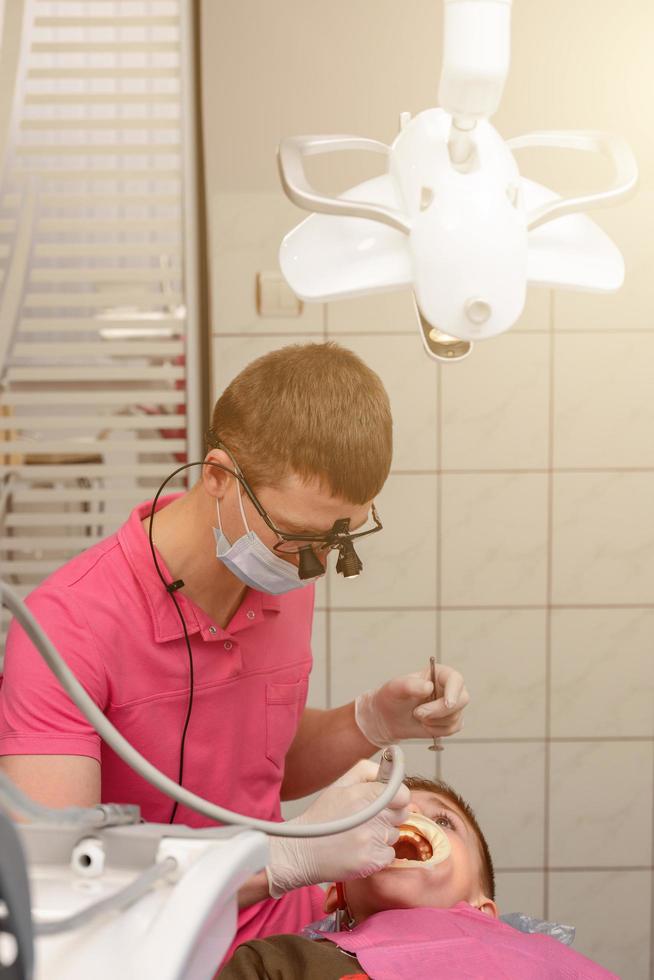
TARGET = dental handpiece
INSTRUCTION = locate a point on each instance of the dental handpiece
(436, 745)
(385, 766)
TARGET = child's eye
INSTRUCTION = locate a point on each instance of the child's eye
(445, 820)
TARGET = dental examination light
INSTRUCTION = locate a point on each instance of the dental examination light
(452, 218)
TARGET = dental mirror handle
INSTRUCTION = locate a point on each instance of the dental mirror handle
(436, 744)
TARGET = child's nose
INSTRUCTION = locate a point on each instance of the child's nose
(413, 807)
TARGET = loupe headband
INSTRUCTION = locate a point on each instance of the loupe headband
(338, 536)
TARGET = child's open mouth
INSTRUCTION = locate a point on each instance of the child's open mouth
(412, 846)
(421, 842)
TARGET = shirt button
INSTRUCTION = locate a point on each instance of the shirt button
(228, 645)
(212, 629)
(250, 614)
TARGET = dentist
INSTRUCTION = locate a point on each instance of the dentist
(197, 646)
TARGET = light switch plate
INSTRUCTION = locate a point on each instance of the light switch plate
(275, 297)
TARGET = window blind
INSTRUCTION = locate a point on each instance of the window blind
(97, 362)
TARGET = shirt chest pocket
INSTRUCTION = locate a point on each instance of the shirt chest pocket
(284, 707)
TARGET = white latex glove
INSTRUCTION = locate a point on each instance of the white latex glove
(397, 709)
(354, 854)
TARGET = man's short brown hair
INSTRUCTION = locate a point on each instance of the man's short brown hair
(315, 410)
(443, 789)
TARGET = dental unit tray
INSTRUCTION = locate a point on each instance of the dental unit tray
(452, 218)
(136, 902)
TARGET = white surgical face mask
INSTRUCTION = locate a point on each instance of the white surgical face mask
(253, 563)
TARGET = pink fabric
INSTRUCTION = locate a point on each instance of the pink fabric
(460, 943)
(108, 615)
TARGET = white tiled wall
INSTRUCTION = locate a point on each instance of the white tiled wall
(539, 589)
(602, 673)
(518, 538)
(502, 653)
(611, 911)
(603, 538)
(493, 539)
(495, 406)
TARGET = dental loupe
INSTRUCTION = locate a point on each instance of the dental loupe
(452, 218)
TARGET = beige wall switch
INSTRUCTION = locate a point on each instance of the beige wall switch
(275, 297)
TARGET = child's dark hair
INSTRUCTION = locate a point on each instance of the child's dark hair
(442, 789)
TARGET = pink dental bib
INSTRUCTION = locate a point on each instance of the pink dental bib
(460, 943)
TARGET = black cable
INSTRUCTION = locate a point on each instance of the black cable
(171, 588)
(191, 681)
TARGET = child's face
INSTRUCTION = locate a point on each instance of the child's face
(456, 879)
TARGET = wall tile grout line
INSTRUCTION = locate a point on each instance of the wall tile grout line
(558, 739)
(651, 931)
(525, 739)
(497, 608)
(575, 869)
(328, 580)
(265, 335)
(547, 760)
(532, 471)
(437, 763)
(409, 334)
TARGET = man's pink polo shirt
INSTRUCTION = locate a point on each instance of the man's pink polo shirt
(109, 616)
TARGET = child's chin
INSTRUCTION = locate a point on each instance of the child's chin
(398, 874)
(413, 868)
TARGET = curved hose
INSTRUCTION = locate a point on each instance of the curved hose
(139, 764)
(102, 815)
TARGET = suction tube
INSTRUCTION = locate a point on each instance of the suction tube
(139, 764)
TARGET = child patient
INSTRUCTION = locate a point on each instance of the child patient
(431, 915)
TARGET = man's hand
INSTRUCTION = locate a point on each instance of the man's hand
(408, 707)
(353, 854)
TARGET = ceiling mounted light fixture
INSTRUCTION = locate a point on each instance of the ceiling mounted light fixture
(452, 218)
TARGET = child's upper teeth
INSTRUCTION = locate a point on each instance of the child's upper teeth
(428, 839)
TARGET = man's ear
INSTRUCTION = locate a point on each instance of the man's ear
(216, 479)
(488, 907)
(331, 900)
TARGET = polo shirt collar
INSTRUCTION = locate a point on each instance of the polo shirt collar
(166, 624)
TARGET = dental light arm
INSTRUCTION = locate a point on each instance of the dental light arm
(139, 764)
(453, 219)
(297, 187)
(476, 57)
(625, 171)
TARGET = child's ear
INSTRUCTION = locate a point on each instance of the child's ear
(331, 900)
(488, 907)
